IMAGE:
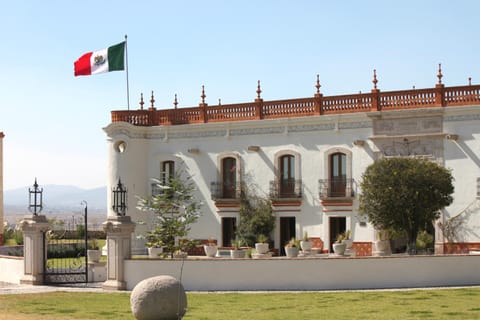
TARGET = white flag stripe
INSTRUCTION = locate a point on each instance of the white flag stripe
(99, 61)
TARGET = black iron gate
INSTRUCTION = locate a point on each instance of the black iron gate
(65, 251)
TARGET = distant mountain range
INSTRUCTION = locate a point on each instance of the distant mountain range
(57, 198)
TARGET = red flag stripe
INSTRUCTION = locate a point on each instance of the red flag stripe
(83, 65)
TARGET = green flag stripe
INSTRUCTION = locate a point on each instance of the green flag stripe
(116, 57)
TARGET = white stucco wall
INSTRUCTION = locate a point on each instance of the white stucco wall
(311, 274)
(142, 158)
(310, 137)
(462, 156)
(11, 269)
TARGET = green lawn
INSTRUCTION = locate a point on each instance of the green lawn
(407, 304)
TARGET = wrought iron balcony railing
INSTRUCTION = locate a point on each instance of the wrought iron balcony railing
(336, 188)
(224, 190)
(286, 188)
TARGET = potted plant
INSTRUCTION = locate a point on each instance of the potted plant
(424, 242)
(155, 241)
(382, 244)
(261, 246)
(210, 248)
(339, 247)
(292, 248)
(236, 252)
(306, 244)
(346, 239)
(154, 248)
(184, 246)
(93, 251)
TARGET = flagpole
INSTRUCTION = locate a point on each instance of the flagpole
(126, 71)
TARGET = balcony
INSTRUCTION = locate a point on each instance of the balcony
(286, 191)
(336, 188)
(225, 194)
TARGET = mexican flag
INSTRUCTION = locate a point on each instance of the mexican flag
(105, 60)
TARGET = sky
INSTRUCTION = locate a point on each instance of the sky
(53, 121)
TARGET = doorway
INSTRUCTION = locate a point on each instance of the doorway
(287, 232)
(337, 226)
(229, 227)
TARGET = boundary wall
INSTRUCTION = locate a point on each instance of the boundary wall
(222, 274)
(11, 269)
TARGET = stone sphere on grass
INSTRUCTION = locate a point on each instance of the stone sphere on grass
(158, 298)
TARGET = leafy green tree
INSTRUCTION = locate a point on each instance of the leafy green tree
(175, 209)
(256, 216)
(405, 195)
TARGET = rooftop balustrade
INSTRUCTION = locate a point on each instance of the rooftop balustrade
(439, 96)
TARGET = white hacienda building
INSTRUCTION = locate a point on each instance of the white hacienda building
(308, 155)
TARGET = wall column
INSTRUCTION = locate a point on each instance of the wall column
(33, 228)
(119, 231)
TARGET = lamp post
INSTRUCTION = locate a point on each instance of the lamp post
(35, 203)
(119, 194)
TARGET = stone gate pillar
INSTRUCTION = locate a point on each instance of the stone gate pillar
(119, 231)
(33, 228)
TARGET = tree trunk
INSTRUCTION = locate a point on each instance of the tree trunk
(412, 242)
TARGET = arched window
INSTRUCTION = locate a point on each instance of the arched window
(229, 177)
(167, 171)
(287, 175)
(338, 174)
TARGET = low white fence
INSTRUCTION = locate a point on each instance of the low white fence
(311, 273)
(11, 269)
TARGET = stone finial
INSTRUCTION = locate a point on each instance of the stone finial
(375, 81)
(439, 75)
(152, 101)
(203, 96)
(141, 103)
(469, 81)
(259, 90)
(219, 101)
(175, 102)
(317, 85)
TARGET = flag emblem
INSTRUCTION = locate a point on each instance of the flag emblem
(99, 60)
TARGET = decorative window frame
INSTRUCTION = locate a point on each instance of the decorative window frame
(327, 164)
(277, 163)
(238, 171)
(298, 172)
(159, 165)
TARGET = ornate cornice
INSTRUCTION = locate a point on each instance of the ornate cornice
(222, 130)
